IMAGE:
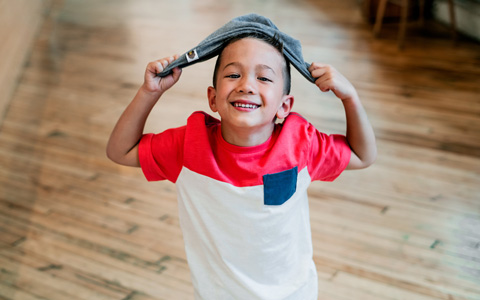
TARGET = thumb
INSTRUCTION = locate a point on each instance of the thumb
(177, 72)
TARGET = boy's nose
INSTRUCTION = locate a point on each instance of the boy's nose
(246, 85)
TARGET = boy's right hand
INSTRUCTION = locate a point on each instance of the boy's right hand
(155, 84)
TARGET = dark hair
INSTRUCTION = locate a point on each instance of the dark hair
(273, 41)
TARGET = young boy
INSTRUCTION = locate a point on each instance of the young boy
(242, 181)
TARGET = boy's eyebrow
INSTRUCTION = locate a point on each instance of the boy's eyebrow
(266, 67)
(260, 66)
(231, 64)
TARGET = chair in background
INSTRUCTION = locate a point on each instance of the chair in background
(404, 4)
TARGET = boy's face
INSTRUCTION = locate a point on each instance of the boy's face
(249, 88)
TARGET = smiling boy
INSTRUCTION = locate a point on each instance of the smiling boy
(248, 91)
(242, 180)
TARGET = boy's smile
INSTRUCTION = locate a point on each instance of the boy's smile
(249, 91)
(245, 105)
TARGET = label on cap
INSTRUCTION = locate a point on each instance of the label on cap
(192, 55)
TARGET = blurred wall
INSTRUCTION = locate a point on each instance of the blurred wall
(19, 22)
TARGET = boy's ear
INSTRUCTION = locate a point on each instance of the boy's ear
(212, 98)
(286, 107)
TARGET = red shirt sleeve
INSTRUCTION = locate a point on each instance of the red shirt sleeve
(329, 155)
(161, 155)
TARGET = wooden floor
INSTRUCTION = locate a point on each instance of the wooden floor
(73, 225)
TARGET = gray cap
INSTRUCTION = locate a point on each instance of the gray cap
(251, 23)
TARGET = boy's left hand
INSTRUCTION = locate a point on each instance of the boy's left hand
(360, 135)
(329, 79)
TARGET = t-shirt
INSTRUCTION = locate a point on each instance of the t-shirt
(244, 210)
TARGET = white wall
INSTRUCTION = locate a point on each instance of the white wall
(467, 13)
(19, 22)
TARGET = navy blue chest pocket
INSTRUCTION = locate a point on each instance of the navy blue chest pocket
(279, 187)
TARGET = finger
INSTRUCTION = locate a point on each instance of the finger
(176, 74)
(164, 63)
(324, 88)
(173, 58)
(153, 67)
(313, 66)
(324, 84)
(316, 65)
(322, 70)
(156, 68)
(318, 73)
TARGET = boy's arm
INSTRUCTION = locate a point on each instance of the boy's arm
(360, 135)
(122, 146)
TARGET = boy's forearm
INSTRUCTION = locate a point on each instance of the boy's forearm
(360, 134)
(129, 128)
(122, 146)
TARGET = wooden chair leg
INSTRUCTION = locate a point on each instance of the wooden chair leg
(422, 12)
(403, 24)
(379, 19)
(453, 23)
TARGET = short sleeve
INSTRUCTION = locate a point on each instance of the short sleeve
(329, 155)
(161, 155)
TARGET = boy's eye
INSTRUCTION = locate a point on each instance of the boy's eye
(264, 79)
(233, 76)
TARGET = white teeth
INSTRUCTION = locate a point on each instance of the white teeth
(243, 105)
